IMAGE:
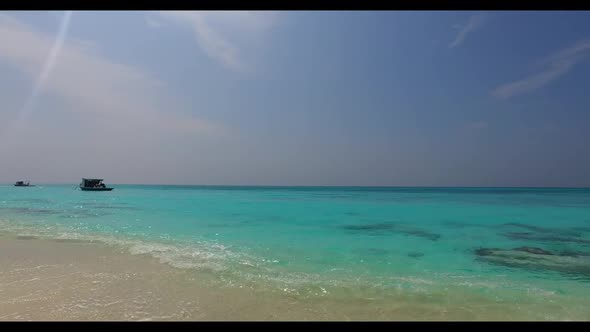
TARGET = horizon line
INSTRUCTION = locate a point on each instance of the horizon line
(319, 186)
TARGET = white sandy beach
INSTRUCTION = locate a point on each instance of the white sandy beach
(44, 279)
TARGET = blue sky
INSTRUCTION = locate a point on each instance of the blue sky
(296, 98)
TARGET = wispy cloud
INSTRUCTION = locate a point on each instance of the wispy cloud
(95, 116)
(475, 21)
(92, 84)
(49, 64)
(554, 66)
(220, 34)
(152, 21)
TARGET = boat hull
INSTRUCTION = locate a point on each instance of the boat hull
(95, 189)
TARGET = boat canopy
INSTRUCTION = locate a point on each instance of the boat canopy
(91, 182)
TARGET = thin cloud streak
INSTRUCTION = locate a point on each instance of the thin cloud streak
(474, 22)
(98, 117)
(555, 66)
(47, 67)
(152, 21)
(218, 33)
(93, 85)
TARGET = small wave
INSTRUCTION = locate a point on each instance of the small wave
(237, 267)
(198, 256)
(201, 255)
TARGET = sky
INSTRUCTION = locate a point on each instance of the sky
(296, 98)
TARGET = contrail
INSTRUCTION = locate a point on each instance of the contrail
(48, 66)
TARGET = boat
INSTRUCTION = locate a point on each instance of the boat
(93, 185)
(23, 184)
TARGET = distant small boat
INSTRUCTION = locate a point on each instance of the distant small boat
(93, 185)
(23, 184)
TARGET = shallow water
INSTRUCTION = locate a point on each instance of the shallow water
(339, 244)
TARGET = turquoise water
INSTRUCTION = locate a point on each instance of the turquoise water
(363, 242)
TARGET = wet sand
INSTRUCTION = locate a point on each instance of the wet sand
(44, 279)
(50, 280)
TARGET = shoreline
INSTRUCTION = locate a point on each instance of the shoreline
(57, 279)
(44, 279)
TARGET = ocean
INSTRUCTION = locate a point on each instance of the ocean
(522, 250)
